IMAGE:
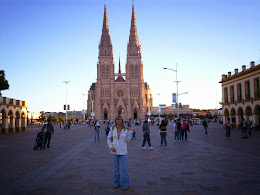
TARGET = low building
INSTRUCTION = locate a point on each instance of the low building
(75, 114)
(13, 115)
(184, 112)
(241, 95)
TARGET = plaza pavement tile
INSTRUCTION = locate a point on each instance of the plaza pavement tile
(76, 165)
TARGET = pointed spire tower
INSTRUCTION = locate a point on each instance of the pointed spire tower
(120, 77)
(119, 71)
(105, 46)
(133, 47)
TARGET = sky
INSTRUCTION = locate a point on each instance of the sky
(46, 42)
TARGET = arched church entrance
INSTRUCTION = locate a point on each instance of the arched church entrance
(105, 114)
(135, 114)
(120, 111)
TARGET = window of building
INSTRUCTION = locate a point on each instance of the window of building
(132, 72)
(232, 98)
(239, 92)
(103, 72)
(247, 90)
(225, 95)
(256, 88)
(136, 72)
(107, 72)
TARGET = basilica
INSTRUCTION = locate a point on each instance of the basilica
(125, 94)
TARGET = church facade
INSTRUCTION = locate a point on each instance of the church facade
(125, 94)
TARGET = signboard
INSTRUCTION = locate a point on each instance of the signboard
(92, 113)
(173, 97)
(172, 106)
(148, 113)
(162, 106)
(68, 107)
(158, 110)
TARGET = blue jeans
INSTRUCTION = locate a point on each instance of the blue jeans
(163, 138)
(228, 131)
(179, 135)
(184, 133)
(96, 136)
(125, 176)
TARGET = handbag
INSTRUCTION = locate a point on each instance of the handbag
(45, 129)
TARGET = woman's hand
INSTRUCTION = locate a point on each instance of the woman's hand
(113, 149)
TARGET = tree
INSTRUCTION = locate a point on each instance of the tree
(41, 118)
(3, 82)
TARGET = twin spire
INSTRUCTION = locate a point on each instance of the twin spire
(105, 46)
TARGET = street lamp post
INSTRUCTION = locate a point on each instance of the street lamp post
(158, 105)
(66, 82)
(177, 94)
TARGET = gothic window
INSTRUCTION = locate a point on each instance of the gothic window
(103, 72)
(132, 72)
(136, 72)
(107, 72)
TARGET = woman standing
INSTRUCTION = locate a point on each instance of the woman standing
(163, 132)
(117, 142)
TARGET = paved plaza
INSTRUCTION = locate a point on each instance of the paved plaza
(76, 165)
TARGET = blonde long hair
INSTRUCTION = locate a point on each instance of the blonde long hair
(123, 124)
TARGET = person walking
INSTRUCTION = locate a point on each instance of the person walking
(134, 134)
(228, 128)
(146, 131)
(175, 130)
(179, 131)
(205, 125)
(97, 128)
(250, 127)
(163, 132)
(48, 133)
(117, 142)
(185, 126)
(244, 127)
(107, 130)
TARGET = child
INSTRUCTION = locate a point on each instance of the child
(107, 130)
(134, 132)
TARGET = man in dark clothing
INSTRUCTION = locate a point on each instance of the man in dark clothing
(179, 131)
(48, 134)
(146, 131)
(205, 125)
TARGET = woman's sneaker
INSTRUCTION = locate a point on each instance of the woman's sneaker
(116, 186)
(150, 148)
(143, 148)
(125, 188)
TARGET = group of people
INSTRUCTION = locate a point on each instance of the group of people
(245, 127)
